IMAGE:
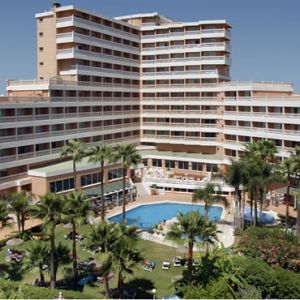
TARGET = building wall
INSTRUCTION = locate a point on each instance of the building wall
(46, 47)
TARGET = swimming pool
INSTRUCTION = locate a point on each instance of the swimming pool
(148, 215)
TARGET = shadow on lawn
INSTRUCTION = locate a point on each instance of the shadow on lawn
(143, 287)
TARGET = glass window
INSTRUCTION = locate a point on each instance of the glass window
(197, 166)
(184, 165)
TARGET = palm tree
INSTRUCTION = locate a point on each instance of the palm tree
(128, 156)
(19, 202)
(296, 158)
(50, 209)
(106, 267)
(262, 150)
(235, 177)
(103, 235)
(125, 256)
(76, 150)
(38, 256)
(102, 154)
(298, 213)
(62, 256)
(209, 234)
(208, 196)
(286, 169)
(190, 227)
(4, 212)
(76, 208)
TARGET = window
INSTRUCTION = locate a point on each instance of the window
(184, 165)
(212, 168)
(41, 49)
(170, 164)
(41, 63)
(156, 162)
(41, 34)
(61, 185)
(115, 173)
(89, 179)
(197, 166)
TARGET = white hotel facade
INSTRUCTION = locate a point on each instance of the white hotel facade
(142, 79)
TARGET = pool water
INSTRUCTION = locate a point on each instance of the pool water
(148, 215)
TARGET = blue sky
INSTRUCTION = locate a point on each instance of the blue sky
(265, 33)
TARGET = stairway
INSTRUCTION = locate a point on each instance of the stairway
(142, 190)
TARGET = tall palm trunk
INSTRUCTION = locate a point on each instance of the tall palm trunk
(190, 262)
(102, 191)
(75, 176)
(288, 184)
(23, 218)
(52, 258)
(42, 276)
(124, 186)
(251, 206)
(106, 286)
(74, 254)
(239, 209)
(120, 284)
(298, 219)
(19, 223)
(206, 206)
(243, 209)
(255, 211)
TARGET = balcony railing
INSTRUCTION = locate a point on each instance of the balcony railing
(95, 26)
(96, 41)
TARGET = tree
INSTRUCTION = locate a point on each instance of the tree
(265, 151)
(103, 235)
(20, 202)
(102, 154)
(76, 150)
(128, 156)
(286, 169)
(4, 212)
(62, 256)
(209, 197)
(191, 226)
(76, 208)
(119, 242)
(125, 255)
(235, 177)
(50, 209)
(296, 158)
(298, 213)
(38, 256)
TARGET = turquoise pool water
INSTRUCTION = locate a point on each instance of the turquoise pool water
(148, 215)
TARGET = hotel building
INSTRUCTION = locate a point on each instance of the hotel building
(142, 79)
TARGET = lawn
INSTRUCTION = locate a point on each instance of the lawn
(142, 281)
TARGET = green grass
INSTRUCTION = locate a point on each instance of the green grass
(143, 281)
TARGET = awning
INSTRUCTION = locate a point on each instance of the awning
(109, 189)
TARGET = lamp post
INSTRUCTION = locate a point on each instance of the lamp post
(153, 291)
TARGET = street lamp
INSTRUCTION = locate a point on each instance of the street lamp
(153, 291)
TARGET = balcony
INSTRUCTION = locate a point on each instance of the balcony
(89, 55)
(219, 46)
(78, 22)
(82, 69)
(71, 37)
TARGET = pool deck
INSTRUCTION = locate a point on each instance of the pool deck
(227, 231)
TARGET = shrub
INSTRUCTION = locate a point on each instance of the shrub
(273, 282)
(272, 245)
(13, 290)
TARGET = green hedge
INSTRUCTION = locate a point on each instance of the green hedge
(12, 290)
(273, 282)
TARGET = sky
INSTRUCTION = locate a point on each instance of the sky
(265, 33)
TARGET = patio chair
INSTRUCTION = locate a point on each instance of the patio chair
(166, 265)
(177, 261)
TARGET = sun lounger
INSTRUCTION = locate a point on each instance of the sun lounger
(108, 277)
(166, 265)
(177, 261)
